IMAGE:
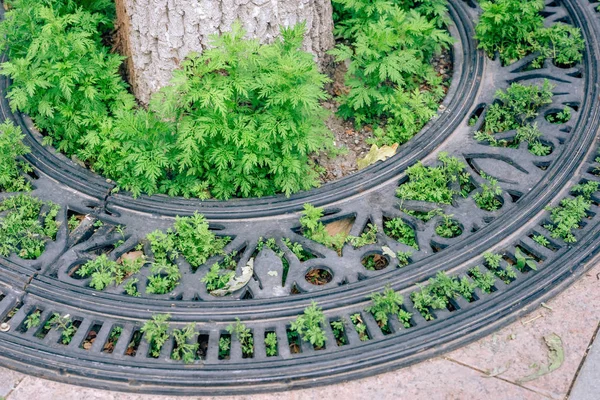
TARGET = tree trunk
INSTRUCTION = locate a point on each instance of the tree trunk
(157, 34)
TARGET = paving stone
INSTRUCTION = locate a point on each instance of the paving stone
(437, 379)
(587, 385)
(9, 379)
(517, 348)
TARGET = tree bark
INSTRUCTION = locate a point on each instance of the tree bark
(157, 34)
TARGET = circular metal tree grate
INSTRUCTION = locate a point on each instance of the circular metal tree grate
(118, 357)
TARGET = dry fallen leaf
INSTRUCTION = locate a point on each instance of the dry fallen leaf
(131, 256)
(556, 356)
(237, 282)
(387, 251)
(340, 226)
(377, 154)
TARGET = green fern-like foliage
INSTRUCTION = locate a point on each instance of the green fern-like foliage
(437, 184)
(26, 225)
(11, 166)
(62, 76)
(248, 115)
(190, 238)
(515, 28)
(239, 120)
(389, 46)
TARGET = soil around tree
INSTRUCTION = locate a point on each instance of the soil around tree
(350, 141)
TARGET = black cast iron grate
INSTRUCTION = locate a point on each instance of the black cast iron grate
(118, 357)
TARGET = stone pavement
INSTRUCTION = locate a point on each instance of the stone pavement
(587, 385)
(492, 368)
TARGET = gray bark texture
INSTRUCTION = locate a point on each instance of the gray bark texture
(158, 34)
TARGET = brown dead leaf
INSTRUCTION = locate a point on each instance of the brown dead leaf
(377, 154)
(340, 226)
(556, 357)
(131, 256)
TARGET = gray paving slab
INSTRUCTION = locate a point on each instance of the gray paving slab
(587, 385)
(436, 379)
(9, 380)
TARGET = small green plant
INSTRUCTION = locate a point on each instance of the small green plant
(165, 277)
(309, 325)
(484, 281)
(338, 327)
(399, 230)
(517, 106)
(423, 301)
(375, 262)
(385, 304)
(487, 198)
(293, 340)
(26, 226)
(528, 133)
(113, 337)
(524, 260)
(388, 47)
(566, 216)
(539, 149)
(155, 333)
(531, 134)
(105, 272)
(12, 167)
(485, 137)
(220, 273)
(314, 229)
(541, 240)
(434, 184)
(561, 117)
(244, 336)
(449, 228)
(515, 28)
(73, 222)
(33, 320)
(438, 293)
(424, 216)
(193, 239)
(130, 287)
(190, 237)
(403, 258)
(224, 347)
(64, 323)
(492, 261)
(271, 344)
(506, 26)
(298, 250)
(183, 350)
(360, 326)
(365, 238)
